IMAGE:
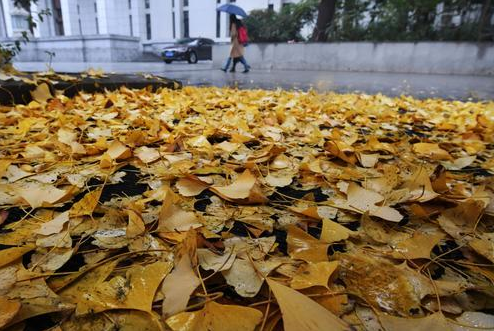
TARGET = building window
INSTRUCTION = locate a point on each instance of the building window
(271, 7)
(173, 3)
(218, 1)
(131, 26)
(80, 26)
(232, 1)
(173, 25)
(78, 10)
(186, 23)
(146, 4)
(19, 22)
(97, 25)
(148, 26)
(218, 24)
(57, 18)
(186, 3)
(95, 8)
(129, 4)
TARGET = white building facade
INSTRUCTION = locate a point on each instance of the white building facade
(154, 22)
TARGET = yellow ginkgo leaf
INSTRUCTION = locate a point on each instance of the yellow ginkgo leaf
(302, 313)
(216, 317)
(9, 255)
(303, 246)
(239, 189)
(41, 93)
(333, 232)
(87, 204)
(8, 310)
(313, 274)
(432, 151)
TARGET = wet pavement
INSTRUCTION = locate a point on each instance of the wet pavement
(461, 87)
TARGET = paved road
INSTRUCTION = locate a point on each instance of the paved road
(460, 87)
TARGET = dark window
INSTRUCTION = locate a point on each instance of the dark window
(131, 26)
(129, 4)
(218, 1)
(218, 24)
(271, 7)
(173, 3)
(78, 10)
(148, 26)
(97, 26)
(146, 4)
(80, 27)
(232, 1)
(95, 8)
(173, 25)
(186, 3)
(57, 18)
(186, 23)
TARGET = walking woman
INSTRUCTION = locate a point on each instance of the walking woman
(237, 49)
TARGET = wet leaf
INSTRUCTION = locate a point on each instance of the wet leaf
(314, 274)
(216, 317)
(305, 247)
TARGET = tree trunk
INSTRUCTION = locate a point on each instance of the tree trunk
(483, 18)
(325, 17)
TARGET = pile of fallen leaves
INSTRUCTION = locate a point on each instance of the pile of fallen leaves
(220, 209)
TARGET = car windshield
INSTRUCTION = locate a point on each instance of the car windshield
(185, 41)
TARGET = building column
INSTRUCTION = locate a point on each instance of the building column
(6, 4)
(179, 19)
(34, 13)
(103, 12)
(68, 18)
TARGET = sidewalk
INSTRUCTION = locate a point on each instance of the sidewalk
(459, 87)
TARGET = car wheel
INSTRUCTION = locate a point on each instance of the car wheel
(168, 61)
(192, 57)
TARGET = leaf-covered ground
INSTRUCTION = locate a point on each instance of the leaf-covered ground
(222, 209)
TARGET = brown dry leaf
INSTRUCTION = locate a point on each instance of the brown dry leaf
(484, 245)
(435, 321)
(135, 291)
(333, 232)
(87, 204)
(461, 219)
(42, 93)
(136, 226)
(301, 313)
(8, 310)
(279, 180)
(216, 317)
(383, 284)
(178, 286)
(365, 201)
(420, 186)
(432, 151)
(303, 246)
(74, 287)
(124, 320)
(313, 274)
(9, 255)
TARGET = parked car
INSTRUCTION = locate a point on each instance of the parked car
(189, 49)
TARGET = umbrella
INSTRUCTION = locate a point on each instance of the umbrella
(232, 9)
